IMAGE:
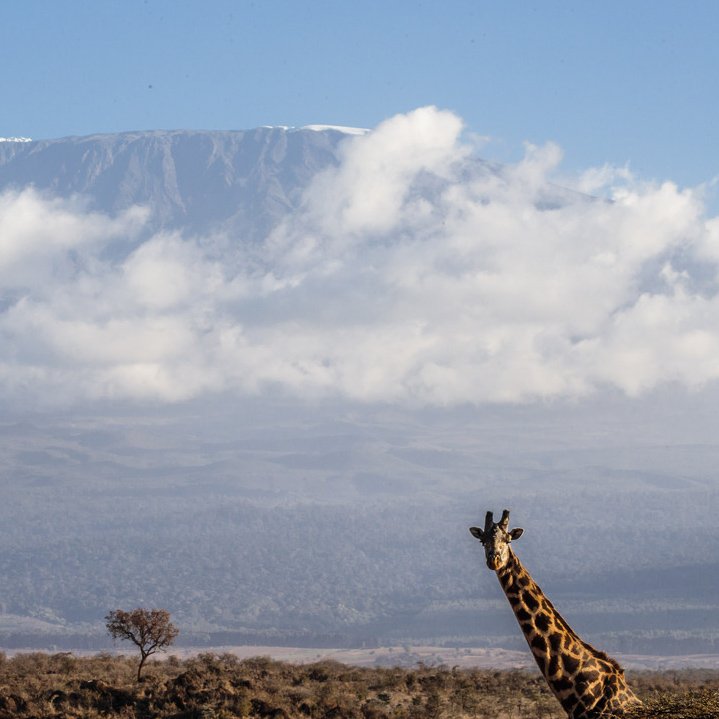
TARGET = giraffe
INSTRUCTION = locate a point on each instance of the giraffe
(587, 683)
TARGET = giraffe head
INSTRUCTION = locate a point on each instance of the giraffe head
(496, 537)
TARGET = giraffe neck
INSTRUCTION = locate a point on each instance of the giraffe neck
(586, 682)
(536, 615)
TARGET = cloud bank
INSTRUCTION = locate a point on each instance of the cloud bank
(413, 273)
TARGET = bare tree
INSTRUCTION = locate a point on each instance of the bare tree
(149, 629)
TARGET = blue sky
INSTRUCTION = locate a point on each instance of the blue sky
(617, 82)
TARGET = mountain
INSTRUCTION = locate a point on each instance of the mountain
(271, 518)
(239, 182)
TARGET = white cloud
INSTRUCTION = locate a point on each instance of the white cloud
(42, 236)
(413, 273)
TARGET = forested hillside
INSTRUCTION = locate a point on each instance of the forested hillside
(259, 541)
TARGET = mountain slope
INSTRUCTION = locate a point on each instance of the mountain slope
(241, 182)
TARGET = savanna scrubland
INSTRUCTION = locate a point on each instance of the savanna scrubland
(221, 686)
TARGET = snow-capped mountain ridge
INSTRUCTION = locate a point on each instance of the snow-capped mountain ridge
(240, 181)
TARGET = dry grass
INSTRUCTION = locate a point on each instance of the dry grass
(221, 686)
(690, 694)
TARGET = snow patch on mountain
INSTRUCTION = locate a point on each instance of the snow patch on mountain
(15, 139)
(337, 128)
(319, 128)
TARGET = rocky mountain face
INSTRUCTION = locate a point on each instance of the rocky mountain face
(240, 182)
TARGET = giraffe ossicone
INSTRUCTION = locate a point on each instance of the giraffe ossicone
(588, 683)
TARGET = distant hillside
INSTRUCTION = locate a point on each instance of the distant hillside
(335, 535)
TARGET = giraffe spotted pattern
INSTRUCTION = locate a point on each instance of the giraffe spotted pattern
(587, 683)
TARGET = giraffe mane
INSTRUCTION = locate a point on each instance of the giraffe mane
(602, 655)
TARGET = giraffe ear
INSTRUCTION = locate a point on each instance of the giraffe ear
(477, 533)
(516, 533)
